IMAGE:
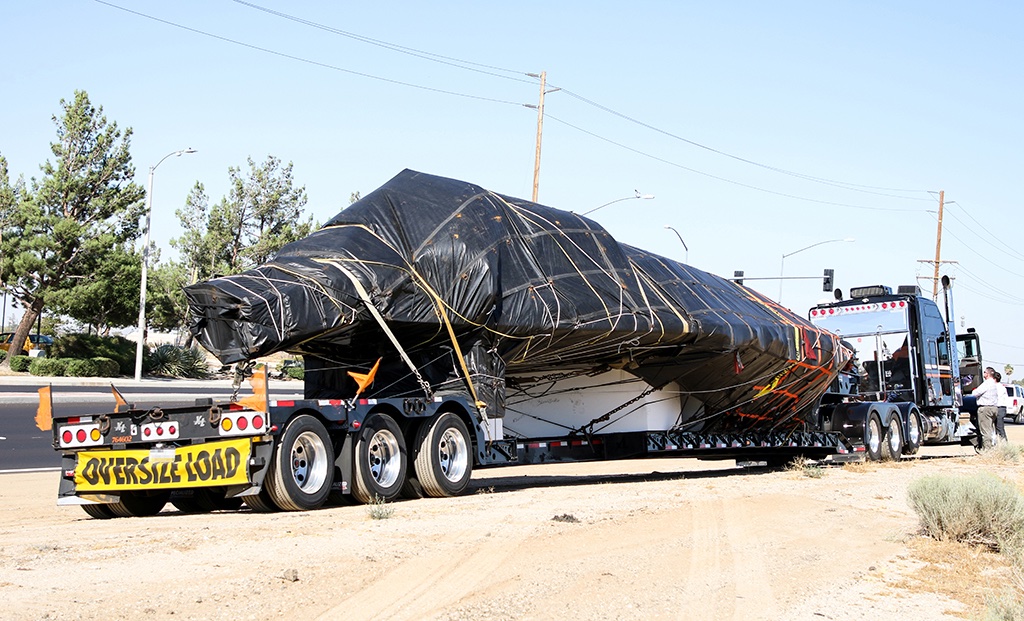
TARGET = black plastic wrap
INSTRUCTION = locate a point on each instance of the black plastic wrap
(525, 289)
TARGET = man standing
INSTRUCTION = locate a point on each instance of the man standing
(988, 408)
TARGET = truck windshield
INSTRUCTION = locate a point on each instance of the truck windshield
(878, 334)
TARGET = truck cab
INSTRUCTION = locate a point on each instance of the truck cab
(900, 343)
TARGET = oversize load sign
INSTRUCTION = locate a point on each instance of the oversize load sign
(213, 463)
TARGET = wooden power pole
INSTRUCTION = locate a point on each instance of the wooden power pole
(540, 131)
(938, 245)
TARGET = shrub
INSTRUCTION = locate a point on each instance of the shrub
(295, 372)
(3, 354)
(48, 367)
(78, 367)
(981, 509)
(20, 363)
(174, 361)
(106, 367)
(379, 509)
(116, 348)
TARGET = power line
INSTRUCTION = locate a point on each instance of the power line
(306, 60)
(446, 60)
(1009, 249)
(967, 245)
(711, 176)
(840, 184)
(472, 66)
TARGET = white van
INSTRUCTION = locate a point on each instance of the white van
(1014, 402)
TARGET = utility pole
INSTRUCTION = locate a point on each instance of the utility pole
(540, 130)
(938, 247)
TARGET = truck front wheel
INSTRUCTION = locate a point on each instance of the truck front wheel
(381, 460)
(303, 468)
(914, 433)
(444, 457)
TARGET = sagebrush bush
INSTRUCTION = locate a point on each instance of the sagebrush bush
(107, 367)
(48, 367)
(295, 372)
(20, 363)
(980, 509)
(78, 367)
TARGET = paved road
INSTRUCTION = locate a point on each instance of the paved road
(23, 446)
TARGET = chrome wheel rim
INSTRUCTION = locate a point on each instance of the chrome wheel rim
(894, 437)
(384, 458)
(874, 436)
(308, 461)
(915, 430)
(453, 454)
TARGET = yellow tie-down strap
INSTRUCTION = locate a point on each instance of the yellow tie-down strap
(202, 465)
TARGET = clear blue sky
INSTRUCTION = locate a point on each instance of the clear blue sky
(812, 120)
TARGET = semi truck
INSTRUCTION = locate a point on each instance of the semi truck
(446, 328)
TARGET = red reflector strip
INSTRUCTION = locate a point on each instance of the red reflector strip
(74, 420)
(858, 449)
(234, 407)
(285, 404)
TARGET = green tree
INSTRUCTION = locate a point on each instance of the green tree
(85, 205)
(265, 209)
(166, 308)
(107, 295)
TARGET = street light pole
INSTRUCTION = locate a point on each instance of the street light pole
(782, 266)
(687, 259)
(636, 195)
(145, 263)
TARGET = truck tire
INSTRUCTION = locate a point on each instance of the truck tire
(444, 456)
(140, 504)
(381, 460)
(873, 438)
(100, 512)
(914, 433)
(892, 445)
(303, 468)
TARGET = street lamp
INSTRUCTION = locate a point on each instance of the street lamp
(145, 263)
(687, 259)
(636, 195)
(782, 267)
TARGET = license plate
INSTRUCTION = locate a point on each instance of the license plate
(200, 465)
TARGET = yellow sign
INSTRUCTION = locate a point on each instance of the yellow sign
(200, 465)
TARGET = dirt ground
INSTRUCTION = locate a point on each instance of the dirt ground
(651, 539)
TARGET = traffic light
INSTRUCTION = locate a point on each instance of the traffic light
(737, 277)
(826, 284)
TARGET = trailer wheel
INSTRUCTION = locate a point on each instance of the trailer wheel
(444, 456)
(205, 500)
(140, 504)
(380, 459)
(100, 512)
(261, 502)
(303, 468)
(873, 438)
(913, 443)
(892, 446)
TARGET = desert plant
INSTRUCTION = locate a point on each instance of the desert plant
(806, 467)
(980, 509)
(379, 509)
(49, 367)
(107, 367)
(174, 361)
(20, 363)
(1004, 452)
(3, 354)
(295, 372)
(82, 367)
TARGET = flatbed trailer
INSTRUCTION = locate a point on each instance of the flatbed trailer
(301, 454)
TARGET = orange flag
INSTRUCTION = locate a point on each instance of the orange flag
(44, 415)
(363, 380)
(258, 400)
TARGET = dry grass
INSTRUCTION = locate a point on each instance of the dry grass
(971, 575)
(805, 467)
(863, 467)
(1002, 453)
